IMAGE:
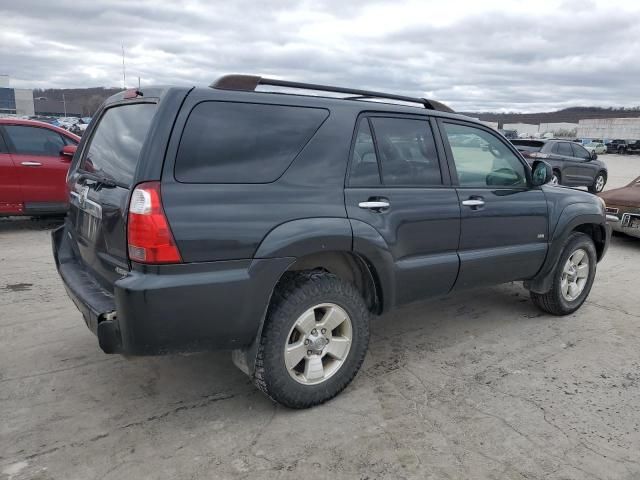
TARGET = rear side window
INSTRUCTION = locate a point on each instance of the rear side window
(3, 147)
(528, 145)
(407, 151)
(229, 142)
(34, 140)
(114, 148)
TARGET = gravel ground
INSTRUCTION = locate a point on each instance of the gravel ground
(474, 385)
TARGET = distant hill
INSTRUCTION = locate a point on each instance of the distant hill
(88, 99)
(571, 115)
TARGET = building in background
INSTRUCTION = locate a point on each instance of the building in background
(610, 128)
(15, 101)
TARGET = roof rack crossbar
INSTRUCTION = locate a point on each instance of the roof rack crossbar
(251, 82)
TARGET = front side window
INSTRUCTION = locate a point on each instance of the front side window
(580, 152)
(34, 140)
(407, 150)
(482, 159)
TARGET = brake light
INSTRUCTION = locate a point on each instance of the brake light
(149, 236)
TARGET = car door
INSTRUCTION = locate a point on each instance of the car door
(585, 170)
(10, 190)
(504, 224)
(42, 169)
(397, 186)
(569, 164)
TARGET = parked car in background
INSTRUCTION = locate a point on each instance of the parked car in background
(633, 146)
(617, 146)
(596, 147)
(34, 160)
(624, 204)
(572, 164)
(274, 224)
(508, 133)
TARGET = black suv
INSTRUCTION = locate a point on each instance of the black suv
(274, 224)
(572, 164)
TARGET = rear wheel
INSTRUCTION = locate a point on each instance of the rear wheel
(314, 340)
(572, 278)
(598, 183)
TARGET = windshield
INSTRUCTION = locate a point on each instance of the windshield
(115, 146)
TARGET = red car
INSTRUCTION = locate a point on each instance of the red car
(34, 159)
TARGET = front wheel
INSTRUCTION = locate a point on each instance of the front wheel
(314, 340)
(572, 279)
(598, 183)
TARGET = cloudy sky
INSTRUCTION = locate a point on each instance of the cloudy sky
(475, 55)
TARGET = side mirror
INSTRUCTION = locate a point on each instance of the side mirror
(594, 155)
(542, 173)
(68, 151)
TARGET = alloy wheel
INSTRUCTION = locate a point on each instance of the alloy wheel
(574, 275)
(318, 343)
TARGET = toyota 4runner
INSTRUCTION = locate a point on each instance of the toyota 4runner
(274, 223)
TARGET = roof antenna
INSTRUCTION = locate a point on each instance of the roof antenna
(124, 74)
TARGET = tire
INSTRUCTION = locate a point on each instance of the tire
(296, 296)
(597, 187)
(554, 301)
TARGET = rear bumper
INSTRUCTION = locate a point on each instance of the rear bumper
(171, 308)
(621, 224)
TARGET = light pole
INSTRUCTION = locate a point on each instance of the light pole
(64, 103)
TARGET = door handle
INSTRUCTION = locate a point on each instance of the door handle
(473, 202)
(31, 164)
(374, 204)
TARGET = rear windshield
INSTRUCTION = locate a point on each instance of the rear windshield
(114, 148)
(528, 145)
(228, 142)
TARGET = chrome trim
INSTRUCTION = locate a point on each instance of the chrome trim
(372, 204)
(612, 210)
(88, 206)
(612, 218)
(473, 202)
(31, 164)
(626, 219)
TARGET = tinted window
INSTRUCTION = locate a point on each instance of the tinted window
(407, 151)
(226, 142)
(3, 147)
(528, 145)
(364, 164)
(564, 148)
(482, 159)
(115, 146)
(34, 140)
(580, 152)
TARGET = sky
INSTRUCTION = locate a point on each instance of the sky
(483, 55)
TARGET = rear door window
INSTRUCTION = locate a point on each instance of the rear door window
(564, 148)
(407, 151)
(28, 140)
(231, 142)
(114, 148)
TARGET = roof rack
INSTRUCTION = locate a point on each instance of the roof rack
(251, 82)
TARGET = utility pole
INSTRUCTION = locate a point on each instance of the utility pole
(138, 83)
(124, 74)
(64, 103)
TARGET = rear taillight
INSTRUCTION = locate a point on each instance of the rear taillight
(149, 237)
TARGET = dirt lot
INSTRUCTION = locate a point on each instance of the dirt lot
(476, 385)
